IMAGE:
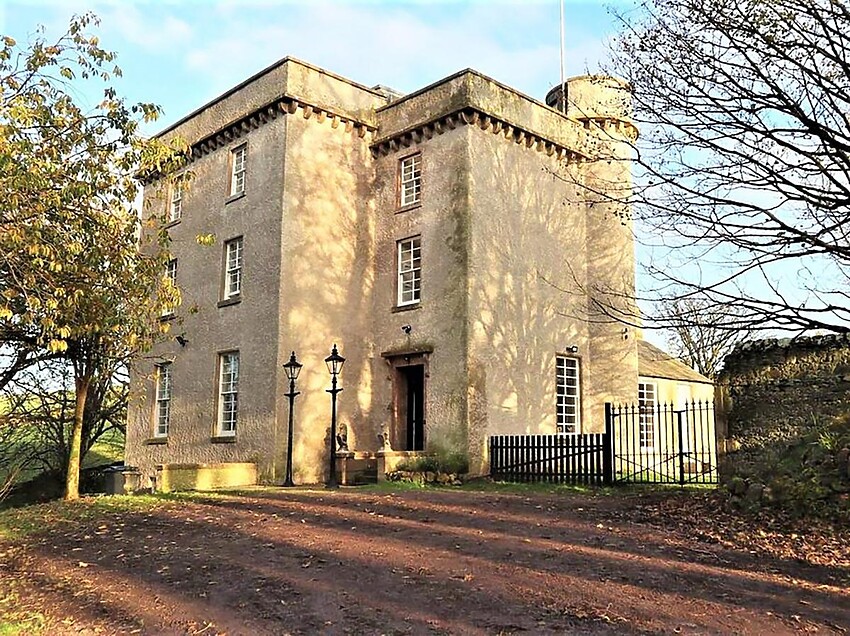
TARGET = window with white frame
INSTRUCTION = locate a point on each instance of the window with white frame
(409, 270)
(171, 276)
(410, 179)
(228, 392)
(567, 395)
(647, 406)
(232, 268)
(163, 399)
(238, 161)
(175, 210)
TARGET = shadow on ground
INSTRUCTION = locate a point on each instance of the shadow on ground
(429, 561)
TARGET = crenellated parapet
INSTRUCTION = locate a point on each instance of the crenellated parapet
(469, 98)
(464, 99)
(485, 121)
(286, 105)
(288, 87)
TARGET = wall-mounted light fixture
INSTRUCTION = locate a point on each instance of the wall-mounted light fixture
(407, 329)
(571, 349)
(182, 340)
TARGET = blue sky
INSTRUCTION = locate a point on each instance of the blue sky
(182, 54)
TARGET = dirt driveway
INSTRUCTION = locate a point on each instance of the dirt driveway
(418, 562)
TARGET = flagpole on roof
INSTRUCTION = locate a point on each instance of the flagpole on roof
(563, 92)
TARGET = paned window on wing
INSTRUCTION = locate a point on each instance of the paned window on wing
(567, 395)
(411, 179)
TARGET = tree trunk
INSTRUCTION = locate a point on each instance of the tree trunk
(72, 482)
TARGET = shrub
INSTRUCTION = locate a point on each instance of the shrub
(807, 475)
(441, 461)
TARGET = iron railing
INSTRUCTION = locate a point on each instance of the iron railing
(661, 443)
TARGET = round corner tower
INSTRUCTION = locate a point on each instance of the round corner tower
(599, 102)
(602, 106)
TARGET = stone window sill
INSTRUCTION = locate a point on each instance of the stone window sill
(234, 197)
(400, 308)
(156, 441)
(409, 207)
(223, 439)
(227, 302)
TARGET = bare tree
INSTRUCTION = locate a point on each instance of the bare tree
(697, 333)
(39, 414)
(15, 454)
(742, 170)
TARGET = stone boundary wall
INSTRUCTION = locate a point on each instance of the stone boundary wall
(772, 391)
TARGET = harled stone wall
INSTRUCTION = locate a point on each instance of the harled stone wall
(510, 253)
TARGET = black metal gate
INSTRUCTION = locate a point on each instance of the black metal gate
(663, 443)
(656, 444)
(551, 458)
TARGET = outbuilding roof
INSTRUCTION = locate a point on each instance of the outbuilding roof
(656, 363)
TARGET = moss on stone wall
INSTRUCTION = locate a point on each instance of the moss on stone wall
(772, 358)
(779, 389)
(788, 421)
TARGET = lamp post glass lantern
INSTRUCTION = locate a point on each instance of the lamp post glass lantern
(292, 369)
(334, 362)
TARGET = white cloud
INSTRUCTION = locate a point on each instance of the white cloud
(405, 47)
(150, 30)
(121, 23)
(182, 54)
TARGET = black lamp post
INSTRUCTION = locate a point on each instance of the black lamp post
(334, 362)
(292, 368)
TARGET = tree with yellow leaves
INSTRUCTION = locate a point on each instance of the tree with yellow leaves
(74, 280)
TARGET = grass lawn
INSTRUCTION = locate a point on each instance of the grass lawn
(34, 485)
(14, 623)
(106, 450)
(19, 523)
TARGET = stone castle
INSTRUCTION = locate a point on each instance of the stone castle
(447, 240)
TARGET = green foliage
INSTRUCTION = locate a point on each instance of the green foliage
(68, 231)
(808, 474)
(443, 461)
(829, 440)
(419, 464)
(29, 624)
(81, 277)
